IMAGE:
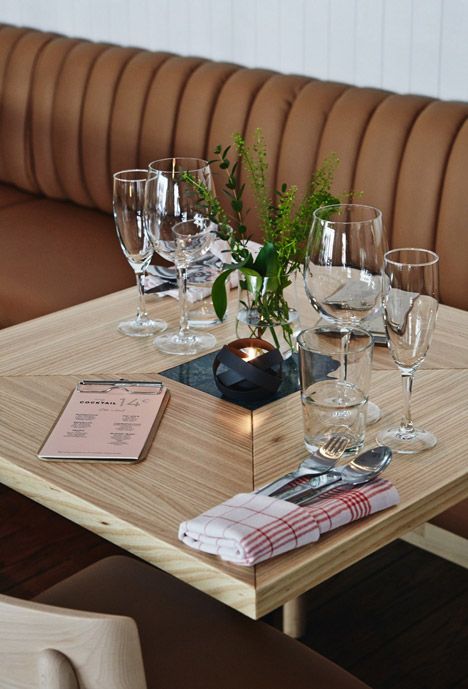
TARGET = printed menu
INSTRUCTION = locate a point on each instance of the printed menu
(107, 421)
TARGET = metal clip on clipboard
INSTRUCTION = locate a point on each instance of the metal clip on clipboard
(143, 387)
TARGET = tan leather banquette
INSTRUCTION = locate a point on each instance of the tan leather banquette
(72, 112)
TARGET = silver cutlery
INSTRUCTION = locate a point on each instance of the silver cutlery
(321, 462)
(359, 470)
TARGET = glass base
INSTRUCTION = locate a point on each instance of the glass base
(407, 443)
(373, 413)
(141, 328)
(172, 343)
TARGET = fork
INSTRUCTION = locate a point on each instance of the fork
(317, 464)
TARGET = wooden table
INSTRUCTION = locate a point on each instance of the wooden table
(208, 449)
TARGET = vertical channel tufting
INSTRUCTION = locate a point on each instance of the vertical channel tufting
(344, 130)
(129, 107)
(270, 111)
(43, 94)
(9, 37)
(422, 173)
(15, 131)
(452, 230)
(382, 150)
(96, 120)
(230, 116)
(302, 134)
(195, 113)
(233, 106)
(162, 105)
(73, 111)
(67, 119)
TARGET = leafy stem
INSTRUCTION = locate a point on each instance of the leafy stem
(285, 222)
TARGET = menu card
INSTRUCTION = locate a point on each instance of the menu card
(107, 421)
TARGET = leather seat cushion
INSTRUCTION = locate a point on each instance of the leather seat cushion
(191, 640)
(10, 196)
(54, 255)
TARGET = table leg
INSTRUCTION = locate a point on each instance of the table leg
(295, 617)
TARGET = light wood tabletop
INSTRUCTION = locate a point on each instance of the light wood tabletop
(208, 449)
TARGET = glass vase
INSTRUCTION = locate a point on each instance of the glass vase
(268, 315)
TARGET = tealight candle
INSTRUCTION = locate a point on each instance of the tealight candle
(248, 370)
(252, 353)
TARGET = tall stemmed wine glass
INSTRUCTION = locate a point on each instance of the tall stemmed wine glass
(170, 200)
(410, 309)
(343, 268)
(193, 239)
(128, 204)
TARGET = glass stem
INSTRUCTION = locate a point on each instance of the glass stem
(142, 315)
(406, 424)
(184, 330)
(344, 355)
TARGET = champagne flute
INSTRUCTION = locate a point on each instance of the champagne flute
(343, 269)
(128, 205)
(171, 200)
(410, 310)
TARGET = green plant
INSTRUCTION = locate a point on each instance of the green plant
(285, 222)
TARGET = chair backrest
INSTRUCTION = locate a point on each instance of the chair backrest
(44, 647)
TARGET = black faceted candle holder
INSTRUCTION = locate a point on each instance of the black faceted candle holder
(248, 370)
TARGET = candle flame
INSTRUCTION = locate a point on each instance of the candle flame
(251, 353)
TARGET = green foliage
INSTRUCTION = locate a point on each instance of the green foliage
(285, 222)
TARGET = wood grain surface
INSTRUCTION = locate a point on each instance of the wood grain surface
(208, 449)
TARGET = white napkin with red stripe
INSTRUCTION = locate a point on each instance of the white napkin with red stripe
(250, 528)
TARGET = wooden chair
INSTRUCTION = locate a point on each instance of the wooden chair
(142, 620)
(42, 646)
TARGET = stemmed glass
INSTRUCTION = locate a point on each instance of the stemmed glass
(192, 239)
(128, 204)
(171, 200)
(343, 269)
(410, 310)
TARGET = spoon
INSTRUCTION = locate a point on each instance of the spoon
(359, 470)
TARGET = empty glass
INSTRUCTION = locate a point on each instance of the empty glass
(410, 310)
(128, 204)
(191, 240)
(334, 403)
(343, 267)
(171, 199)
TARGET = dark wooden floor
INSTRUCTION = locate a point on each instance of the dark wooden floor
(397, 620)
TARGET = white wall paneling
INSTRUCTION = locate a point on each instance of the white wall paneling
(425, 46)
(454, 50)
(416, 46)
(368, 39)
(396, 45)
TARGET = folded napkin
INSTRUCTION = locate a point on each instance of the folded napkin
(249, 528)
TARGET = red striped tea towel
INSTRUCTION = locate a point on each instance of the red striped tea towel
(249, 528)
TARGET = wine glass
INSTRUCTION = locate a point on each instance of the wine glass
(343, 269)
(128, 205)
(171, 199)
(410, 310)
(192, 239)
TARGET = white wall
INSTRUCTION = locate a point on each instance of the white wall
(417, 46)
